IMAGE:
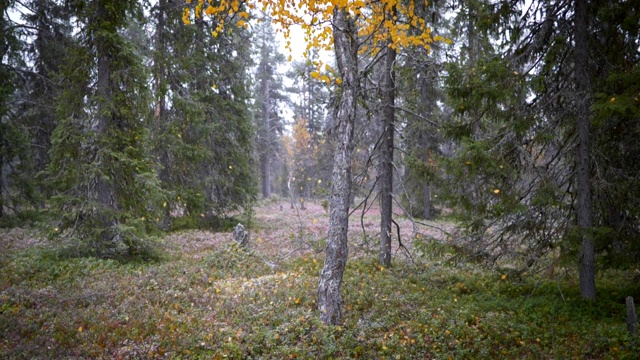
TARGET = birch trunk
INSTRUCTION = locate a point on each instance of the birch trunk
(386, 177)
(329, 287)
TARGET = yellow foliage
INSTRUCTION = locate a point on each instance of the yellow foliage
(389, 23)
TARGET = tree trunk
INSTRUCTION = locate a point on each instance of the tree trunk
(265, 169)
(426, 199)
(103, 191)
(345, 46)
(160, 91)
(265, 158)
(386, 157)
(583, 158)
(1, 174)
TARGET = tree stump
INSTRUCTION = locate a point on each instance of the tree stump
(240, 235)
(632, 318)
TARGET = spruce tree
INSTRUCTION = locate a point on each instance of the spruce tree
(107, 191)
(269, 97)
(201, 128)
(524, 109)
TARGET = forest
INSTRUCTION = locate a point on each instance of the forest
(276, 179)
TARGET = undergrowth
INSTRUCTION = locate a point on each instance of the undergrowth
(229, 303)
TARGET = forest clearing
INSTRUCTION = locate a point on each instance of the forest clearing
(208, 298)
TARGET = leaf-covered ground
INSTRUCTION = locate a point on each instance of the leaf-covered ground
(210, 299)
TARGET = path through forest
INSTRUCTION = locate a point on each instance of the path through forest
(279, 231)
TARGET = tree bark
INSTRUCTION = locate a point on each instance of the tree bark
(345, 47)
(1, 174)
(160, 74)
(103, 192)
(265, 158)
(583, 158)
(426, 201)
(386, 157)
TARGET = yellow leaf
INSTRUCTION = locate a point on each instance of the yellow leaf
(80, 329)
(496, 191)
(612, 99)
(503, 277)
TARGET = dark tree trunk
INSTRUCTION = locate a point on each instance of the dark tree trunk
(329, 296)
(266, 177)
(386, 157)
(583, 158)
(1, 174)
(104, 193)
(426, 198)
(160, 75)
(265, 157)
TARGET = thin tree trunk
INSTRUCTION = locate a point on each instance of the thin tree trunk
(1, 174)
(386, 157)
(266, 169)
(329, 286)
(266, 177)
(161, 105)
(583, 159)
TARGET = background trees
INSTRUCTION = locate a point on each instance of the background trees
(527, 124)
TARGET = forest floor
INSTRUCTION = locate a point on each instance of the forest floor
(208, 298)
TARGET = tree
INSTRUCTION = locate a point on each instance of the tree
(202, 129)
(329, 295)
(9, 47)
(583, 158)
(268, 99)
(36, 38)
(312, 93)
(302, 161)
(530, 145)
(107, 190)
(343, 23)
